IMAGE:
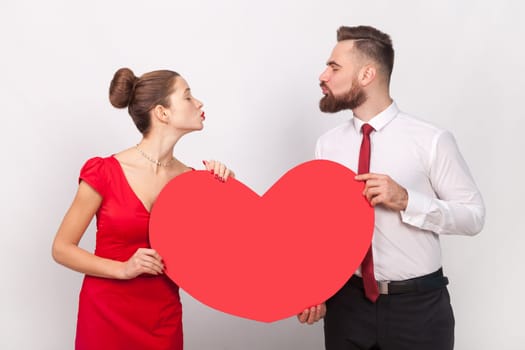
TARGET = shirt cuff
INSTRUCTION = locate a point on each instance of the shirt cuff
(418, 207)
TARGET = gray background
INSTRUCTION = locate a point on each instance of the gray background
(459, 64)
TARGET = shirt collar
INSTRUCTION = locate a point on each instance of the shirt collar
(379, 121)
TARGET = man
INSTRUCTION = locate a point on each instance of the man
(420, 188)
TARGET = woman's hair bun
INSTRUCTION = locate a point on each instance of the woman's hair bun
(121, 89)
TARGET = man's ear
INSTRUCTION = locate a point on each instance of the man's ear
(367, 74)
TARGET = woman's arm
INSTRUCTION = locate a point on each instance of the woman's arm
(67, 252)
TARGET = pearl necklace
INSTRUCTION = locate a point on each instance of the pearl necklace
(155, 161)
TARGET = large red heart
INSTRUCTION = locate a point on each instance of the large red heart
(263, 258)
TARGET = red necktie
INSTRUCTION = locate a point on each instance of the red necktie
(367, 266)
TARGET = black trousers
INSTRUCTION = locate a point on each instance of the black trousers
(407, 321)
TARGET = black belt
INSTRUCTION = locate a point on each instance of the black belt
(425, 283)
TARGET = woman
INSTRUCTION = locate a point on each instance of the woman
(126, 301)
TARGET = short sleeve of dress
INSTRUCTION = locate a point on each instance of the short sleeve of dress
(93, 173)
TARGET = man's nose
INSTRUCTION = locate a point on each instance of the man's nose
(324, 76)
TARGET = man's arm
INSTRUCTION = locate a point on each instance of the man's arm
(458, 208)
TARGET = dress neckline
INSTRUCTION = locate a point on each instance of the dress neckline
(123, 174)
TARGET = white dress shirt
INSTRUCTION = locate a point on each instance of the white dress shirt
(442, 196)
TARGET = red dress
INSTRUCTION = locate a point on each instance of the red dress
(143, 313)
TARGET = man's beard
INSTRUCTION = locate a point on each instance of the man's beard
(353, 99)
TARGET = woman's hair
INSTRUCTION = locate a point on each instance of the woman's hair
(142, 94)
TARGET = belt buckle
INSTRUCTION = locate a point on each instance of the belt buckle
(383, 286)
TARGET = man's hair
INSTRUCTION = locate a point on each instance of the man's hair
(372, 43)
